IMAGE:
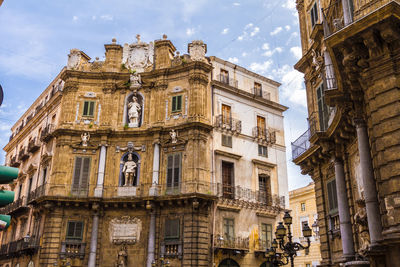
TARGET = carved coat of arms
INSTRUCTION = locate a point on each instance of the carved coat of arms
(138, 56)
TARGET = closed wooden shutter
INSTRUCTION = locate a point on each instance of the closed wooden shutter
(332, 195)
(80, 180)
(74, 230)
(226, 114)
(173, 170)
(170, 170)
(172, 228)
(226, 140)
(177, 163)
(77, 173)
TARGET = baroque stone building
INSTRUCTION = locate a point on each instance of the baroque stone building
(351, 51)
(145, 157)
(304, 211)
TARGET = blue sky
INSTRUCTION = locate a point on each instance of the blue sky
(263, 36)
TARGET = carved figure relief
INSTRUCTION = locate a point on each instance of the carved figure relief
(134, 112)
(85, 138)
(135, 80)
(122, 257)
(138, 56)
(362, 226)
(125, 230)
(173, 135)
(197, 50)
(129, 171)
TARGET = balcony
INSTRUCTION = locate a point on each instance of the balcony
(72, 249)
(23, 154)
(228, 81)
(237, 245)
(21, 246)
(17, 204)
(47, 132)
(229, 124)
(301, 145)
(14, 162)
(171, 249)
(264, 135)
(260, 93)
(33, 145)
(38, 192)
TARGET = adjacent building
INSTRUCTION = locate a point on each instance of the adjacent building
(146, 157)
(304, 211)
(351, 150)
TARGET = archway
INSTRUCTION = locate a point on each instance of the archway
(228, 263)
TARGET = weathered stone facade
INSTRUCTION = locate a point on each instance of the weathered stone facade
(350, 61)
(121, 163)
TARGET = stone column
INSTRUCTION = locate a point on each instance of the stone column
(98, 191)
(93, 241)
(156, 169)
(152, 237)
(344, 211)
(347, 15)
(370, 193)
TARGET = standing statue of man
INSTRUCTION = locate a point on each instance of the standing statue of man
(129, 171)
(122, 257)
(133, 112)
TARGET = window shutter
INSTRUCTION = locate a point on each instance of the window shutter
(173, 103)
(78, 229)
(172, 229)
(77, 172)
(85, 172)
(179, 104)
(71, 229)
(177, 163)
(169, 170)
(85, 108)
(91, 108)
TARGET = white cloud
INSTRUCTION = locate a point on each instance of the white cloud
(75, 18)
(236, 4)
(93, 17)
(296, 51)
(244, 54)
(240, 38)
(225, 31)
(261, 68)
(276, 31)
(190, 31)
(268, 52)
(107, 17)
(255, 31)
(292, 36)
(292, 88)
(233, 60)
(290, 4)
(265, 46)
(287, 27)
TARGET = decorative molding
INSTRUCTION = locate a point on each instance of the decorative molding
(263, 163)
(227, 154)
(228, 208)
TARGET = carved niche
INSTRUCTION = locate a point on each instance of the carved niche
(138, 56)
(125, 230)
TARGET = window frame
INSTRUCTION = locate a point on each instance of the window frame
(173, 172)
(314, 16)
(267, 237)
(175, 101)
(303, 206)
(89, 106)
(229, 224)
(263, 149)
(167, 222)
(228, 140)
(76, 188)
(74, 236)
(332, 203)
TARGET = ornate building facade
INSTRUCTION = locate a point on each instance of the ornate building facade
(304, 211)
(350, 59)
(147, 157)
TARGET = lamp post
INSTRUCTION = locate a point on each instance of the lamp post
(162, 263)
(288, 248)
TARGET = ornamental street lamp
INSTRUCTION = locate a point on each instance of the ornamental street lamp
(288, 248)
(162, 262)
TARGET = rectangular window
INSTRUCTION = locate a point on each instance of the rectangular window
(229, 229)
(173, 170)
(88, 108)
(30, 185)
(261, 127)
(322, 108)
(227, 179)
(74, 230)
(262, 151)
(266, 234)
(303, 206)
(332, 196)
(257, 89)
(226, 114)
(224, 76)
(44, 175)
(226, 140)
(172, 229)
(176, 103)
(80, 180)
(314, 14)
(264, 186)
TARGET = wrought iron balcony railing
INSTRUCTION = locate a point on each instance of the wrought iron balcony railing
(38, 192)
(46, 133)
(262, 244)
(20, 246)
(228, 123)
(172, 248)
(23, 154)
(19, 203)
(228, 242)
(14, 162)
(264, 135)
(72, 249)
(301, 145)
(226, 80)
(33, 145)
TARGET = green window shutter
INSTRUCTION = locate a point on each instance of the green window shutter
(177, 169)
(88, 108)
(74, 230)
(85, 108)
(91, 108)
(332, 195)
(173, 170)
(85, 172)
(170, 170)
(179, 104)
(71, 229)
(174, 103)
(77, 172)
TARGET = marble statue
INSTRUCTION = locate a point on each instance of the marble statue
(129, 171)
(85, 138)
(173, 136)
(122, 257)
(134, 109)
(362, 226)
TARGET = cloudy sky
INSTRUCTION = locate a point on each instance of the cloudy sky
(261, 35)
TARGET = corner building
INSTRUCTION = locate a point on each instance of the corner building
(350, 61)
(147, 156)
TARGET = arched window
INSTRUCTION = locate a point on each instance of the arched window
(140, 101)
(136, 176)
(228, 263)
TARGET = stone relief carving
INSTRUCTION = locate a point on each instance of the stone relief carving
(73, 59)
(197, 50)
(173, 135)
(135, 80)
(138, 56)
(131, 147)
(134, 112)
(129, 171)
(125, 230)
(362, 227)
(122, 257)
(85, 138)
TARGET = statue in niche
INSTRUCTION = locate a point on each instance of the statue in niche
(85, 138)
(129, 171)
(122, 257)
(362, 226)
(173, 135)
(134, 111)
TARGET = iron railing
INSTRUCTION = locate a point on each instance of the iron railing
(226, 80)
(19, 246)
(14, 162)
(38, 192)
(23, 154)
(13, 206)
(264, 134)
(72, 249)
(171, 248)
(228, 123)
(46, 133)
(229, 242)
(331, 83)
(33, 145)
(301, 145)
(333, 19)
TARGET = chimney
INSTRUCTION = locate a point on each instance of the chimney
(164, 53)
